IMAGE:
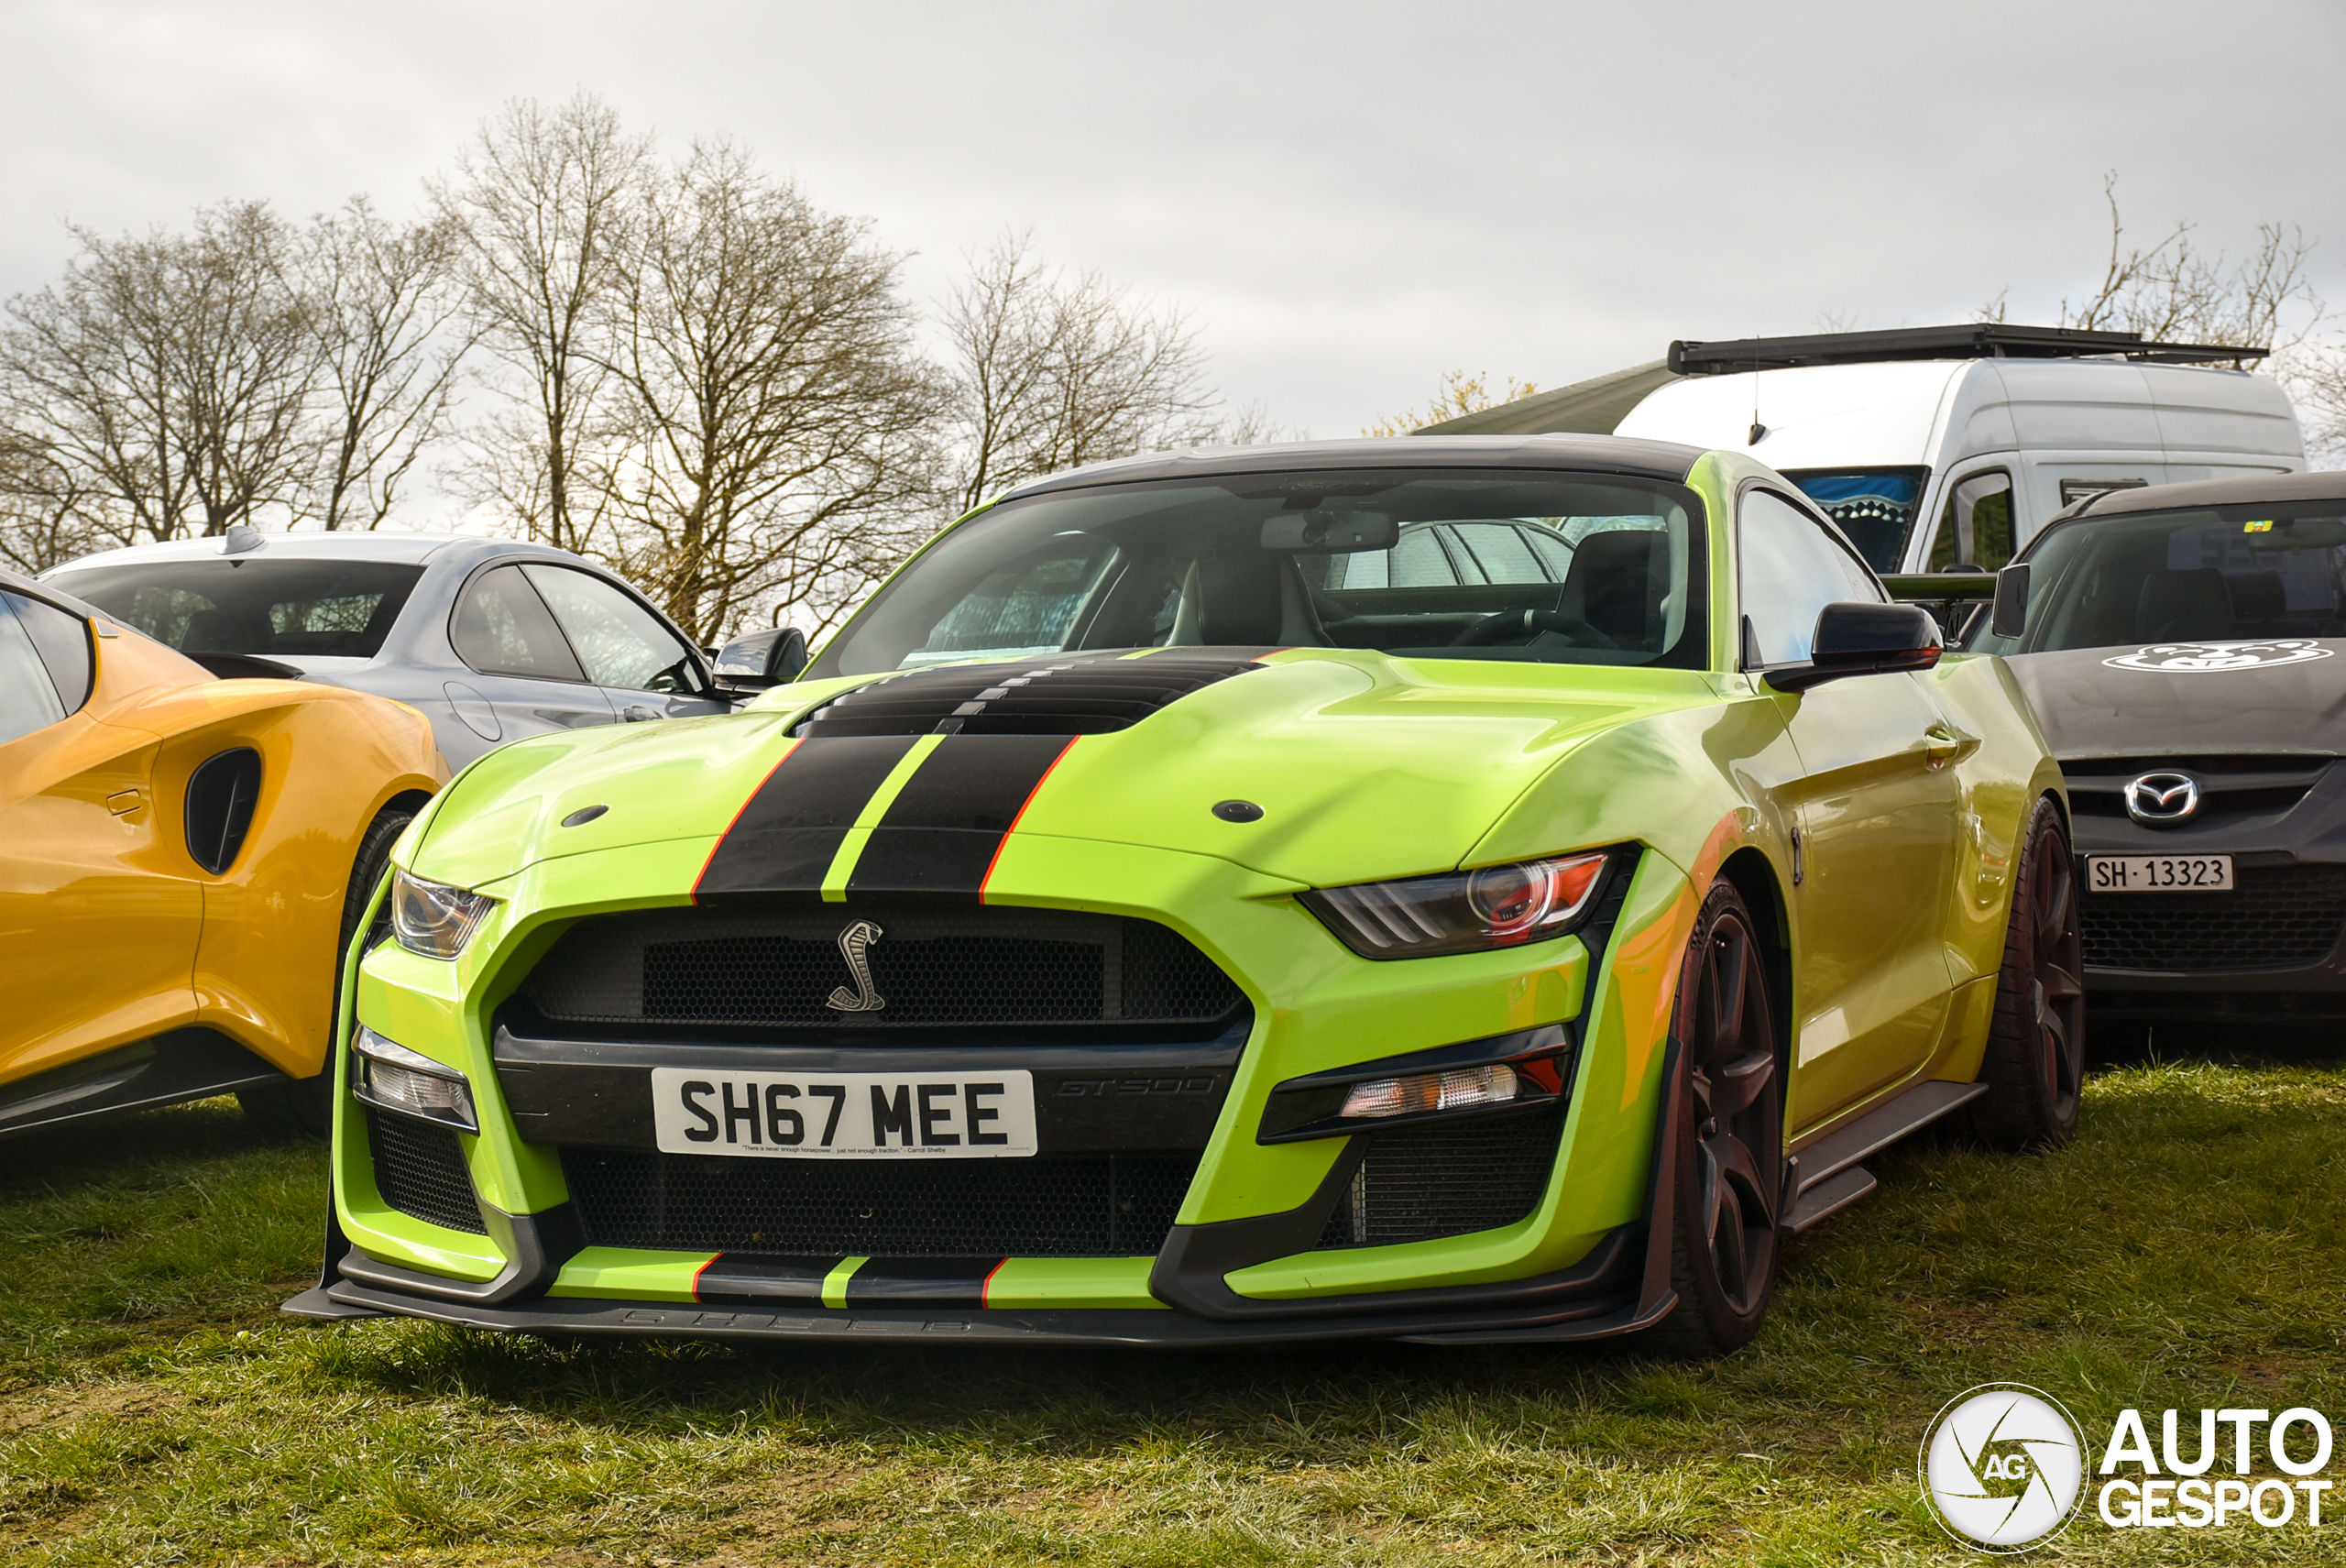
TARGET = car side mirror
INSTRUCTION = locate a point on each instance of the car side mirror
(1861, 638)
(2011, 616)
(757, 661)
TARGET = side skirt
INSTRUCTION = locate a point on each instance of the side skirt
(186, 1064)
(1826, 1177)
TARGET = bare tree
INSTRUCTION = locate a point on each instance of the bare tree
(42, 520)
(390, 345)
(169, 377)
(545, 200)
(1459, 394)
(767, 439)
(2173, 290)
(1054, 369)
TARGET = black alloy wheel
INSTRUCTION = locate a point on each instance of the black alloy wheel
(2035, 1061)
(1729, 1172)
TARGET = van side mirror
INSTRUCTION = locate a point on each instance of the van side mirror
(757, 661)
(1856, 638)
(2011, 616)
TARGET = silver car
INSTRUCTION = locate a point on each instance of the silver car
(491, 638)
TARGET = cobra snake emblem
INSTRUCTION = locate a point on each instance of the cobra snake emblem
(853, 942)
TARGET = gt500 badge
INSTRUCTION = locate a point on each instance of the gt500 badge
(2185, 658)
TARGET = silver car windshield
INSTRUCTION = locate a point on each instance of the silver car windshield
(1549, 567)
(2202, 575)
(253, 606)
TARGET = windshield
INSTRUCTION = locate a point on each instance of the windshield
(1874, 508)
(2207, 575)
(1559, 569)
(252, 605)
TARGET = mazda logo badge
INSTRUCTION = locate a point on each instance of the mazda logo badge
(853, 941)
(2162, 800)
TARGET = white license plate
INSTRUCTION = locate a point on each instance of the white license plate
(845, 1115)
(2159, 873)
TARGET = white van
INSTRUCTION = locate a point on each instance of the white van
(1985, 431)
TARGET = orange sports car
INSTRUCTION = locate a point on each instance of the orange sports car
(183, 860)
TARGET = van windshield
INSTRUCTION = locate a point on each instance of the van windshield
(1549, 567)
(2225, 574)
(1875, 506)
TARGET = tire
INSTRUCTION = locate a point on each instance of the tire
(303, 1107)
(2034, 1065)
(1728, 1148)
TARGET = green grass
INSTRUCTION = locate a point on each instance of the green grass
(2189, 1249)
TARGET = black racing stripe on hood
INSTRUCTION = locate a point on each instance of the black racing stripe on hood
(743, 1279)
(922, 1282)
(1082, 695)
(941, 833)
(788, 833)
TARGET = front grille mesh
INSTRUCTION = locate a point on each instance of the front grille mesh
(933, 967)
(420, 1170)
(1446, 1179)
(1046, 1206)
(2277, 917)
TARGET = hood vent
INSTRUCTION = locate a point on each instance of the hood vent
(1062, 696)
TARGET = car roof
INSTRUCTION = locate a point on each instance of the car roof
(48, 593)
(1663, 460)
(2323, 486)
(371, 545)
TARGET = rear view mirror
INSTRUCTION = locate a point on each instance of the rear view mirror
(1330, 532)
(758, 660)
(2011, 616)
(1861, 639)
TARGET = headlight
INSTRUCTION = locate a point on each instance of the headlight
(397, 1079)
(1462, 912)
(432, 918)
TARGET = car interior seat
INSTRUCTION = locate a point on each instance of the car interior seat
(1617, 583)
(2258, 599)
(2183, 605)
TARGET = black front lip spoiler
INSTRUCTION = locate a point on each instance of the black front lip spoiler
(1608, 1304)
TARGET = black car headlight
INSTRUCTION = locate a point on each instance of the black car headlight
(433, 919)
(1465, 911)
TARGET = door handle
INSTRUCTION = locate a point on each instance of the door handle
(1944, 745)
(636, 713)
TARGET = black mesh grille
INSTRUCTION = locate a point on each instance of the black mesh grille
(930, 967)
(1048, 696)
(420, 1170)
(2277, 917)
(1047, 1206)
(1445, 1179)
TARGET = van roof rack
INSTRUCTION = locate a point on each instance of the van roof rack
(1977, 340)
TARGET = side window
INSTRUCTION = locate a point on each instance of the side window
(1417, 561)
(1498, 548)
(501, 628)
(63, 643)
(1976, 524)
(1790, 569)
(620, 642)
(28, 699)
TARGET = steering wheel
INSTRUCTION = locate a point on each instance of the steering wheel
(1529, 623)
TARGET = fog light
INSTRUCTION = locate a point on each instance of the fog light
(1453, 1091)
(397, 1079)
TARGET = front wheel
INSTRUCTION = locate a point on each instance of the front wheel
(303, 1107)
(1729, 1180)
(2034, 1065)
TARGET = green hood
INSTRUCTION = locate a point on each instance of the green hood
(1364, 766)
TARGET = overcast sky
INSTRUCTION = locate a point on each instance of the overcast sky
(1352, 198)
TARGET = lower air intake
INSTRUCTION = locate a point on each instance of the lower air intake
(1048, 1206)
(420, 1170)
(2277, 917)
(1447, 1178)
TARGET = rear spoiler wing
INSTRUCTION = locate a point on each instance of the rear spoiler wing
(1954, 596)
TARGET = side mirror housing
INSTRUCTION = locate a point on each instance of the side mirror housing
(2011, 616)
(1859, 638)
(757, 661)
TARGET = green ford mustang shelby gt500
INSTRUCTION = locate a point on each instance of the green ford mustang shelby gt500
(1457, 890)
